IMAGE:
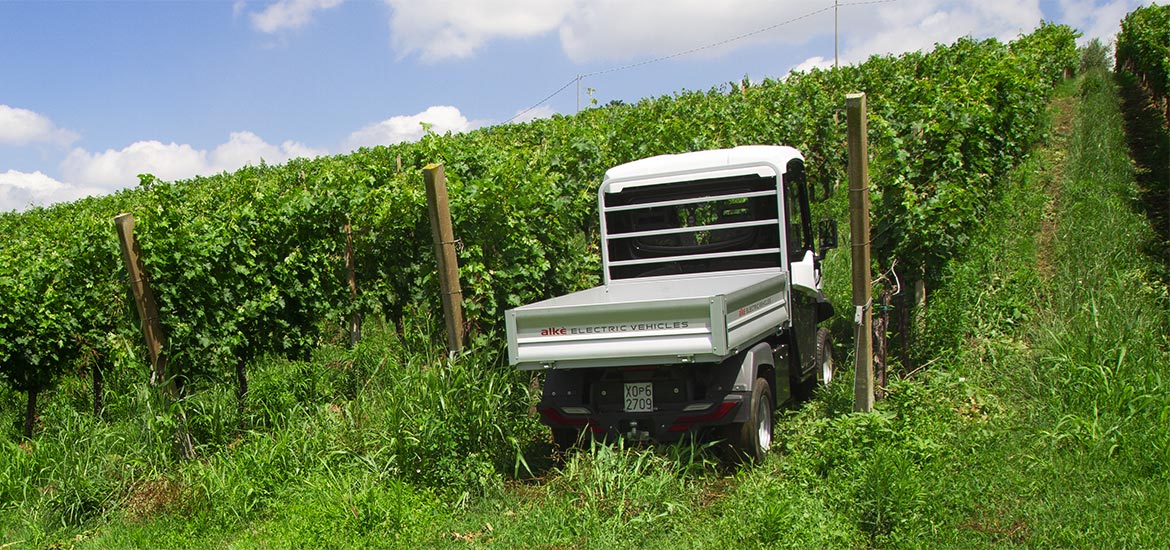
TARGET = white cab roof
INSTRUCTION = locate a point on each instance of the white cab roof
(776, 156)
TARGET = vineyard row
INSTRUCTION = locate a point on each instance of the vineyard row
(253, 262)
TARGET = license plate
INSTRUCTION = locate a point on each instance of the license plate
(639, 397)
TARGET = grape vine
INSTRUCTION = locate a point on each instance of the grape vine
(252, 262)
(1143, 49)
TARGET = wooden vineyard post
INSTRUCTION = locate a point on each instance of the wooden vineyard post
(881, 327)
(444, 239)
(151, 326)
(143, 298)
(355, 320)
(30, 412)
(859, 232)
(98, 388)
(920, 303)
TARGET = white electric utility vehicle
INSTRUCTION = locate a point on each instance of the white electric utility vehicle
(708, 316)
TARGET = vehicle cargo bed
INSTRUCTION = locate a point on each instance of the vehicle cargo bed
(664, 320)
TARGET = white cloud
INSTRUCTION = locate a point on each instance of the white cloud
(920, 24)
(19, 190)
(288, 14)
(620, 30)
(35, 182)
(917, 25)
(441, 118)
(1096, 20)
(115, 169)
(22, 126)
(85, 173)
(445, 29)
(814, 62)
(247, 148)
(592, 30)
(543, 111)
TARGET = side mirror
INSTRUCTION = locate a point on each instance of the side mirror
(827, 235)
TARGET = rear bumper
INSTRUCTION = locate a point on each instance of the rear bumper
(663, 425)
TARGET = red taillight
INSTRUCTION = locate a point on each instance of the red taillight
(555, 417)
(684, 423)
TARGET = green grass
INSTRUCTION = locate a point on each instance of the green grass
(352, 434)
(1074, 350)
(1040, 421)
(1100, 383)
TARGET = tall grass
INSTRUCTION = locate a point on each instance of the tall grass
(1105, 371)
(1073, 348)
(360, 425)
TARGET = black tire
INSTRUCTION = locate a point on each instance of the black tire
(825, 367)
(751, 440)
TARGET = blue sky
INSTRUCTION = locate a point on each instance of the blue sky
(93, 93)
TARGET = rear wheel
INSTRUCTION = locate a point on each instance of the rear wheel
(825, 367)
(752, 439)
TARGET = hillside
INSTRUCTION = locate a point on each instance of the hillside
(1033, 416)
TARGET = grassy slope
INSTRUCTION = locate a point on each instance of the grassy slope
(1098, 390)
(1042, 423)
